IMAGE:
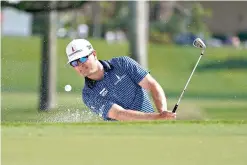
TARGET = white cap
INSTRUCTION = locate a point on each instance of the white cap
(78, 48)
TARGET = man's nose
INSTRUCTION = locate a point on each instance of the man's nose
(82, 64)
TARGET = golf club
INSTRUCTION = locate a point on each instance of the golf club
(198, 43)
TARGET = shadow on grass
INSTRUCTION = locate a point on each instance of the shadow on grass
(226, 64)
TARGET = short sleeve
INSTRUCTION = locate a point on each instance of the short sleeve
(132, 68)
(98, 105)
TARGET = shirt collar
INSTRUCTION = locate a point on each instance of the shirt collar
(107, 67)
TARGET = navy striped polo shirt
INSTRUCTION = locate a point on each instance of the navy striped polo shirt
(119, 86)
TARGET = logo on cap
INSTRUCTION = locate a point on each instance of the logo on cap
(73, 49)
(89, 47)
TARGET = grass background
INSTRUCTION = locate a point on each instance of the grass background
(142, 143)
(218, 92)
(170, 65)
(211, 126)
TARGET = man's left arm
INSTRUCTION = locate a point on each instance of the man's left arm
(141, 76)
(158, 95)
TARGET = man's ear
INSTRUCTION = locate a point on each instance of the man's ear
(94, 53)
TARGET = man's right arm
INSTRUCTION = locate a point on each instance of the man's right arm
(119, 113)
(107, 109)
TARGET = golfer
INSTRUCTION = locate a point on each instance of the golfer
(116, 89)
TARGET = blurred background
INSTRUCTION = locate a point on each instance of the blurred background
(158, 34)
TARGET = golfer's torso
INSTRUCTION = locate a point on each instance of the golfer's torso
(119, 88)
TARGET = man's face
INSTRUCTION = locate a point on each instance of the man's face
(89, 67)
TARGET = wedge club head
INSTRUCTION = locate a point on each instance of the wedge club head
(198, 43)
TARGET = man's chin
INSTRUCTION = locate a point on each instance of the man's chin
(85, 75)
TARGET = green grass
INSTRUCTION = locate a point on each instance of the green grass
(125, 143)
(170, 65)
(211, 126)
(23, 107)
(221, 113)
(211, 94)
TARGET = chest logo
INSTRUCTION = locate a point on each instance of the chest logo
(119, 78)
(103, 92)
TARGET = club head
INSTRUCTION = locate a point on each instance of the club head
(198, 43)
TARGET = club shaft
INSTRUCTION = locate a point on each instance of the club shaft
(176, 106)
